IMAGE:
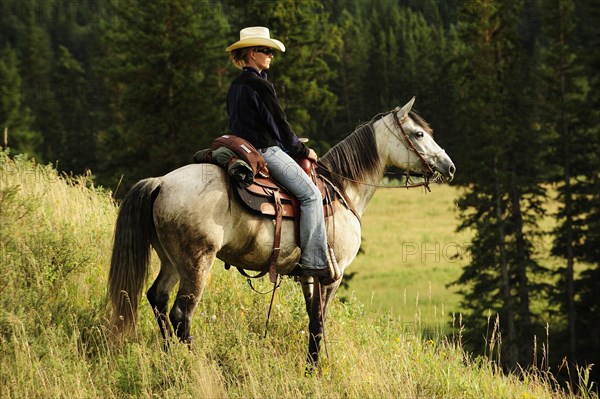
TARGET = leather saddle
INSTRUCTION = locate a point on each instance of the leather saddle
(261, 195)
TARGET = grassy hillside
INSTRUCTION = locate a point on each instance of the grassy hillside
(55, 240)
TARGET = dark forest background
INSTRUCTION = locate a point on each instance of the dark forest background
(130, 89)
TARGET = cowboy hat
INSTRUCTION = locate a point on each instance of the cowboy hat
(256, 36)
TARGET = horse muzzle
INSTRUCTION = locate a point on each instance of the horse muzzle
(447, 170)
(443, 168)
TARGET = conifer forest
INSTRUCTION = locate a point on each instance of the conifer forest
(128, 89)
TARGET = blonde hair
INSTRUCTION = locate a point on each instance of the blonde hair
(239, 57)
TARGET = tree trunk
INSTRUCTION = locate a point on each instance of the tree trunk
(564, 130)
(524, 341)
(510, 352)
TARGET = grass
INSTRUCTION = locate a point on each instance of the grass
(55, 342)
(412, 253)
(410, 248)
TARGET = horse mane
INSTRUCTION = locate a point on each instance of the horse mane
(353, 158)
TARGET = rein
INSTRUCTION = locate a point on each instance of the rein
(408, 184)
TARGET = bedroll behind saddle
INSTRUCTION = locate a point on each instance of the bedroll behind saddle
(238, 157)
(244, 151)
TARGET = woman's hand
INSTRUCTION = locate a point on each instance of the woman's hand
(312, 155)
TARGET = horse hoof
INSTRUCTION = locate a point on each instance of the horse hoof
(310, 370)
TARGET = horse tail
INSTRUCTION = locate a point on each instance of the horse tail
(131, 252)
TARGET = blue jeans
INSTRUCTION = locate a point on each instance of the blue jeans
(313, 238)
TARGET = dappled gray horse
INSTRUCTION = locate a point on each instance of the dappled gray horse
(190, 218)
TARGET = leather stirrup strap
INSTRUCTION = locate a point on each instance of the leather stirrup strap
(277, 238)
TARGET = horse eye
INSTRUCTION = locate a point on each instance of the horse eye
(419, 134)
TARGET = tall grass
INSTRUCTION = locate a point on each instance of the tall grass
(55, 240)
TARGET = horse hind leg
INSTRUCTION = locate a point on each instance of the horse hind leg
(158, 295)
(193, 275)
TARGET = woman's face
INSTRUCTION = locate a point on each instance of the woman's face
(261, 58)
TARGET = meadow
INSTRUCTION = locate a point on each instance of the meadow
(411, 252)
(55, 340)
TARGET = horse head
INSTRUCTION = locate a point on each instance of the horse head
(410, 145)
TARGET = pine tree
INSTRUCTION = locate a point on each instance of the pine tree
(353, 73)
(558, 117)
(165, 60)
(26, 32)
(583, 121)
(590, 281)
(74, 137)
(421, 68)
(14, 113)
(503, 195)
(79, 97)
(54, 45)
(304, 83)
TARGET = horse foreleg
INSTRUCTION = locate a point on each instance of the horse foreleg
(317, 298)
(315, 324)
(158, 295)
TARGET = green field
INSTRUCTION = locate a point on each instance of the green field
(56, 342)
(410, 243)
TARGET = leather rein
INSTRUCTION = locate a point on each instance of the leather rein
(411, 147)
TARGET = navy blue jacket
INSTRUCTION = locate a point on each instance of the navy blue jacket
(256, 115)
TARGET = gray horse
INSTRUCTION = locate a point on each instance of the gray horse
(190, 218)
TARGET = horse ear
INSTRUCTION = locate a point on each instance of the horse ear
(406, 109)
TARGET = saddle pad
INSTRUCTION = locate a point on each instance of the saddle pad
(264, 205)
(263, 187)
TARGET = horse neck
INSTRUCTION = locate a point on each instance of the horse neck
(361, 193)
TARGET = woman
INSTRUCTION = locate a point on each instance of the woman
(255, 114)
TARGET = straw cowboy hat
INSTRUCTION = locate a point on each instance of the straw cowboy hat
(256, 36)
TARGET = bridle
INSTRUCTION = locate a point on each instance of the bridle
(429, 172)
(409, 142)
